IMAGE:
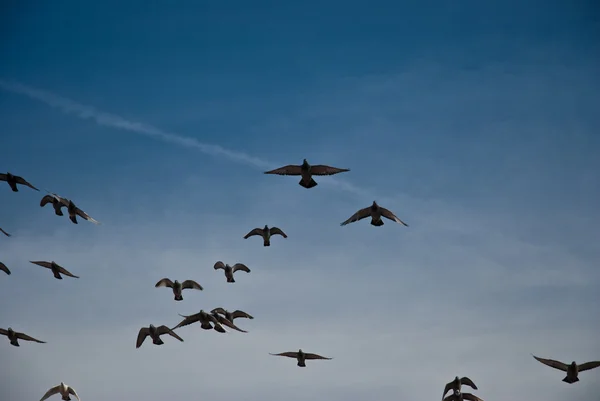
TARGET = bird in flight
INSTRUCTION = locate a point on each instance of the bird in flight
(266, 233)
(13, 180)
(178, 287)
(155, 333)
(55, 268)
(229, 270)
(457, 383)
(301, 357)
(307, 171)
(15, 336)
(376, 212)
(572, 370)
(64, 390)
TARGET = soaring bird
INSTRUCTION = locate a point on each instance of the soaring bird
(266, 233)
(376, 212)
(226, 322)
(572, 370)
(4, 268)
(457, 383)
(458, 396)
(229, 270)
(74, 211)
(301, 356)
(13, 180)
(231, 316)
(307, 171)
(56, 269)
(15, 336)
(64, 390)
(179, 287)
(4, 232)
(57, 201)
(205, 320)
(154, 333)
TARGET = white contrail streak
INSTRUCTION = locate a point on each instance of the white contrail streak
(114, 121)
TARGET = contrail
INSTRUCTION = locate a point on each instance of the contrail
(85, 112)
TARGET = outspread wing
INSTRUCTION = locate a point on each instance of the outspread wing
(219, 310)
(42, 263)
(468, 382)
(288, 354)
(3, 332)
(588, 366)
(191, 284)
(553, 364)
(290, 169)
(447, 387)
(85, 216)
(470, 397)
(321, 169)
(22, 181)
(143, 333)
(389, 215)
(72, 391)
(222, 320)
(66, 272)
(242, 267)
(188, 320)
(361, 214)
(50, 393)
(4, 232)
(47, 199)
(276, 230)
(25, 337)
(315, 356)
(219, 265)
(239, 313)
(164, 282)
(4, 268)
(256, 231)
(165, 330)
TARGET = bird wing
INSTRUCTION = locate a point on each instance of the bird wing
(588, 366)
(165, 330)
(446, 388)
(222, 320)
(4, 268)
(187, 320)
(388, 214)
(3, 332)
(361, 214)
(85, 216)
(470, 397)
(72, 391)
(290, 169)
(22, 181)
(164, 282)
(191, 284)
(553, 364)
(143, 333)
(239, 313)
(47, 265)
(47, 199)
(315, 356)
(25, 337)
(5, 233)
(219, 310)
(66, 272)
(50, 393)
(256, 231)
(321, 169)
(288, 354)
(468, 382)
(276, 230)
(242, 267)
(219, 265)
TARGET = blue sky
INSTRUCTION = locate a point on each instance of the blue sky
(476, 123)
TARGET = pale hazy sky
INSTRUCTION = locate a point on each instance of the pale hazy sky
(478, 124)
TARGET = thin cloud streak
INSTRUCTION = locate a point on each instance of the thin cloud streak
(86, 112)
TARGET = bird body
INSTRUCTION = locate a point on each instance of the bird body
(55, 268)
(301, 357)
(376, 212)
(178, 287)
(457, 383)
(306, 171)
(15, 336)
(266, 233)
(13, 180)
(57, 202)
(572, 370)
(64, 390)
(229, 270)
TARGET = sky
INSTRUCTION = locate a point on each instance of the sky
(477, 123)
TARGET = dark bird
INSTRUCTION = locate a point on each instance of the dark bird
(205, 320)
(307, 171)
(266, 233)
(458, 396)
(57, 201)
(4, 232)
(15, 336)
(457, 383)
(63, 390)
(155, 333)
(231, 316)
(4, 268)
(13, 180)
(229, 270)
(375, 212)
(301, 356)
(572, 370)
(179, 287)
(74, 211)
(56, 269)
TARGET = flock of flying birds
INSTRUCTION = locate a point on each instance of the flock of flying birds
(219, 317)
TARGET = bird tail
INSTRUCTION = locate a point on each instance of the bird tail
(267, 242)
(158, 341)
(377, 223)
(312, 183)
(178, 297)
(302, 364)
(230, 280)
(569, 380)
